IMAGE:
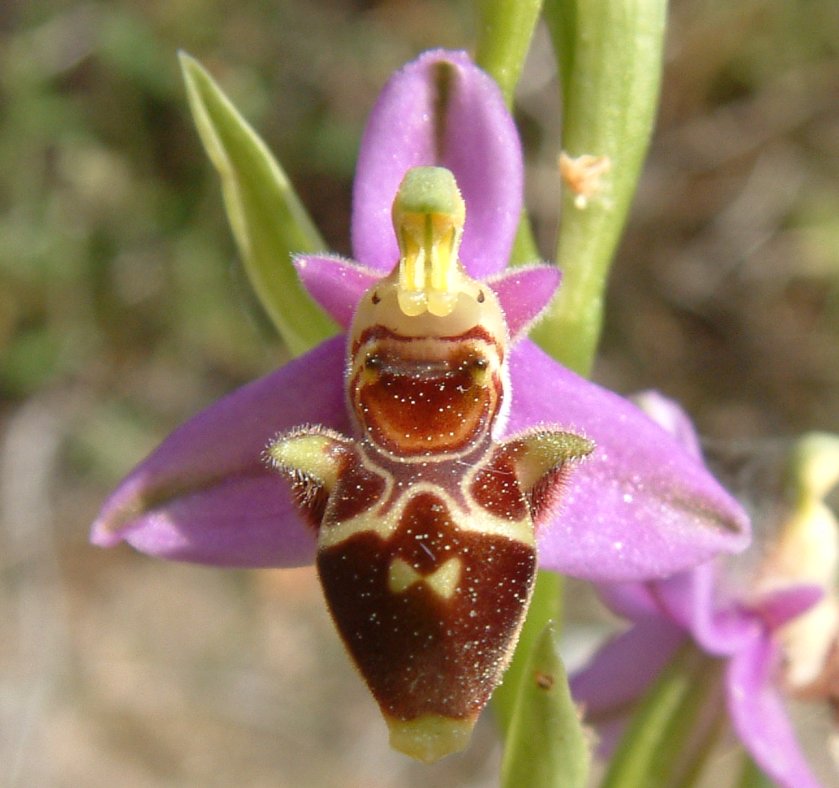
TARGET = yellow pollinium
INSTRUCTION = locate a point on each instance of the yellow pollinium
(431, 737)
(428, 217)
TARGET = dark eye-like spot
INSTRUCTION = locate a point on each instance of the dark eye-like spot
(373, 362)
(480, 363)
(481, 297)
(375, 299)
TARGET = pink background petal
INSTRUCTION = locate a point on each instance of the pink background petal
(692, 600)
(623, 668)
(759, 716)
(630, 600)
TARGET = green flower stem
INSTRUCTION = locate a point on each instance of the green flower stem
(610, 55)
(504, 35)
(505, 30)
(546, 745)
(545, 607)
(268, 220)
(673, 729)
(707, 738)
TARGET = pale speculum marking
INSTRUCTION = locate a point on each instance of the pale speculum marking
(443, 581)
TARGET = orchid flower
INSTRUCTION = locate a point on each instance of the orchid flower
(638, 507)
(769, 617)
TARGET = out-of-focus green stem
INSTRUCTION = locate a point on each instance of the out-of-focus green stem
(504, 34)
(667, 739)
(752, 777)
(505, 30)
(610, 55)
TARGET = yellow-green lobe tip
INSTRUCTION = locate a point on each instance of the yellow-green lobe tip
(308, 454)
(431, 737)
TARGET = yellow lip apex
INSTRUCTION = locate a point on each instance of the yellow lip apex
(431, 737)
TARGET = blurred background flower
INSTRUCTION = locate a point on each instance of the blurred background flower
(123, 310)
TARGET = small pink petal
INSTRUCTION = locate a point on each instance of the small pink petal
(691, 599)
(335, 283)
(524, 293)
(780, 606)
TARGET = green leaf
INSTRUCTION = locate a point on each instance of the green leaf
(610, 55)
(268, 220)
(546, 745)
(751, 776)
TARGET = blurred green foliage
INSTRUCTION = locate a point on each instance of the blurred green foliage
(119, 282)
(118, 275)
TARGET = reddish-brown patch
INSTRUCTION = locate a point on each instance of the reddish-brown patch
(496, 488)
(546, 493)
(425, 407)
(358, 489)
(420, 653)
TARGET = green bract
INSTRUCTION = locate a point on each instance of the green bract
(546, 744)
(268, 220)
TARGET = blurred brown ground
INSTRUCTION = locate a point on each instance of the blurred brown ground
(123, 311)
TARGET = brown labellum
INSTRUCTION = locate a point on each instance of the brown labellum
(425, 523)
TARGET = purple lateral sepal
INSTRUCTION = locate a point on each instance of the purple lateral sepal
(622, 517)
(206, 495)
(640, 506)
